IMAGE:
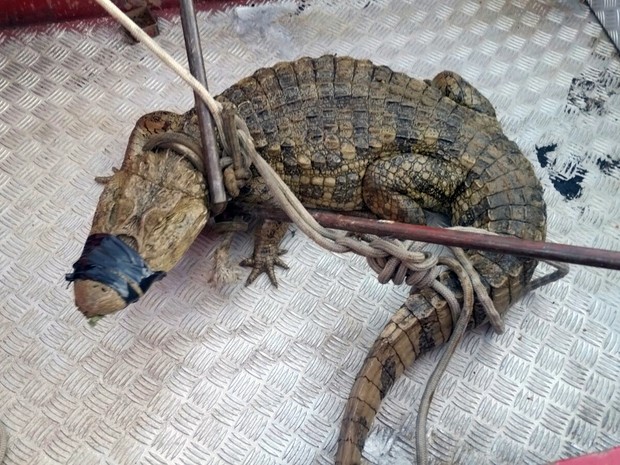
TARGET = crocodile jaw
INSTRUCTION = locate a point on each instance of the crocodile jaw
(93, 298)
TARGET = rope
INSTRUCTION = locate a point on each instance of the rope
(392, 260)
(460, 326)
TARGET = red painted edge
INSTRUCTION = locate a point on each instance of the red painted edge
(25, 12)
(610, 457)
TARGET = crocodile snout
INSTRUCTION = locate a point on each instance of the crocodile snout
(93, 298)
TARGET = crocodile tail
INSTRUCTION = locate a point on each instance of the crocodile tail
(423, 322)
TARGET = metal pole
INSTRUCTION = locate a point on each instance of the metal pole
(217, 193)
(600, 258)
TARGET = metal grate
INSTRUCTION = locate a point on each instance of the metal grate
(256, 375)
(608, 13)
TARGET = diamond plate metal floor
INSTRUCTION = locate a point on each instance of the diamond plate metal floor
(193, 374)
(608, 13)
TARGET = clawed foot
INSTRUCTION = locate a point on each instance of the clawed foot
(264, 261)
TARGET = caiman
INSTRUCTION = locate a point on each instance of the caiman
(345, 135)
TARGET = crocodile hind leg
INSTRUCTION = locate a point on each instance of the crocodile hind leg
(398, 187)
(462, 92)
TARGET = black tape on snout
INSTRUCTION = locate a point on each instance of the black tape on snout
(108, 260)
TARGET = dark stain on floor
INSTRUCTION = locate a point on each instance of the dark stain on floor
(567, 175)
(570, 188)
(541, 153)
(589, 94)
(607, 165)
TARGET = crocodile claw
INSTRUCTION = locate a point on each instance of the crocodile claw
(106, 179)
(264, 263)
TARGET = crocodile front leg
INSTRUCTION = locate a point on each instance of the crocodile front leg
(266, 255)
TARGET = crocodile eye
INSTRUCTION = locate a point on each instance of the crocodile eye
(122, 210)
(153, 220)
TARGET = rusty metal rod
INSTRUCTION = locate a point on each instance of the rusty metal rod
(217, 193)
(588, 256)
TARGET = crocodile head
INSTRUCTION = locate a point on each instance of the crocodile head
(148, 215)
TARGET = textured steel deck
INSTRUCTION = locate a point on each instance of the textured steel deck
(608, 13)
(193, 374)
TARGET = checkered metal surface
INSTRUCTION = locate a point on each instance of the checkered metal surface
(608, 13)
(194, 374)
